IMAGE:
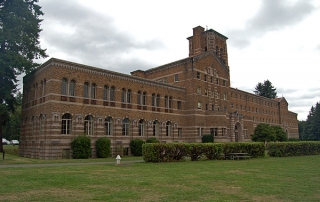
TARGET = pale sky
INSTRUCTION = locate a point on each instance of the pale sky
(277, 40)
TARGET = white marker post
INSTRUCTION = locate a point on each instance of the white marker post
(118, 159)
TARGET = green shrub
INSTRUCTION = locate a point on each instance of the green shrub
(283, 149)
(152, 140)
(207, 138)
(136, 147)
(157, 152)
(81, 147)
(103, 147)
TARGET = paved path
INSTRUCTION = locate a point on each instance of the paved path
(64, 164)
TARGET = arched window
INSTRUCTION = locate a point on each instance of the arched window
(109, 126)
(106, 93)
(93, 91)
(72, 87)
(86, 90)
(66, 124)
(64, 86)
(88, 125)
(155, 128)
(168, 128)
(125, 127)
(141, 127)
(112, 93)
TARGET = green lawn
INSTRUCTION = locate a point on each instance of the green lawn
(262, 179)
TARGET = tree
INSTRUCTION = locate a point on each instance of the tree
(263, 132)
(19, 47)
(266, 89)
(312, 124)
(281, 135)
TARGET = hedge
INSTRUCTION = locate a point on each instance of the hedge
(81, 147)
(159, 152)
(282, 149)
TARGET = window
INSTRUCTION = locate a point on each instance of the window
(166, 101)
(158, 100)
(176, 78)
(72, 87)
(66, 124)
(129, 96)
(199, 105)
(123, 95)
(40, 124)
(165, 80)
(155, 128)
(198, 75)
(43, 88)
(212, 107)
(112, 93)
(64, 86)
(206, 92)
(105, 92)
(93, 91)
(153, 101)
(168, 128)
(141, 127)
(200, 131)
(139, 96)
(86, 90)
(125, 127)
(170, 102)
(205, 78)
(211, 80)
(224, 96)
(224, 83)
(214, 131)
(224, 131)
(88, 125)
(206, 106)
(109, 126)
(179, 104)
(144, 98)
(199, 90)
(179, 132)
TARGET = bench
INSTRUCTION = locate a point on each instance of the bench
(239, 156)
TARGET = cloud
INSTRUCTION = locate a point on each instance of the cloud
(75, 31)
(273, 15)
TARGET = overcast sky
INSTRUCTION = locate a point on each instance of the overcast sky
(277, 40)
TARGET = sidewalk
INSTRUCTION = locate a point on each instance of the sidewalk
(65, 164)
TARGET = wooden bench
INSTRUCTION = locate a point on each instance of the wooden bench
(239, 156)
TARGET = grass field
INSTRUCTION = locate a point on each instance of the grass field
(262, 179)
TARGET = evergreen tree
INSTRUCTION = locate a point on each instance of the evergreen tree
(312, 124)
(265, 89)
(19, 46)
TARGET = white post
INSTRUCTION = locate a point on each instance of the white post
(118, 159)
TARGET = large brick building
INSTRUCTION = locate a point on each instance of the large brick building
(175, 102)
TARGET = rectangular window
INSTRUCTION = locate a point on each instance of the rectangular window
(198, 75)
(165, 80)
(179, 104)
(179, 132)
(224, 96)
(217, 81)
(199, 105)
(205, 77)
(224, 83)
(199, 90)
(206, 106)
(212, 107)
(176, 78)
(211, 80)
(224, 131)
(214, 131)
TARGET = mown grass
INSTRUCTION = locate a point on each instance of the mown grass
(262, 179)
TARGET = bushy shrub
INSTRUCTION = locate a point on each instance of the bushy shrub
(136, 147)
(152, 140)
(207, 138)
(81, 147)
(158, 152)
(103, 147)
(283, 149)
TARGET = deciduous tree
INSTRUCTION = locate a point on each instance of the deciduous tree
(19, 47)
